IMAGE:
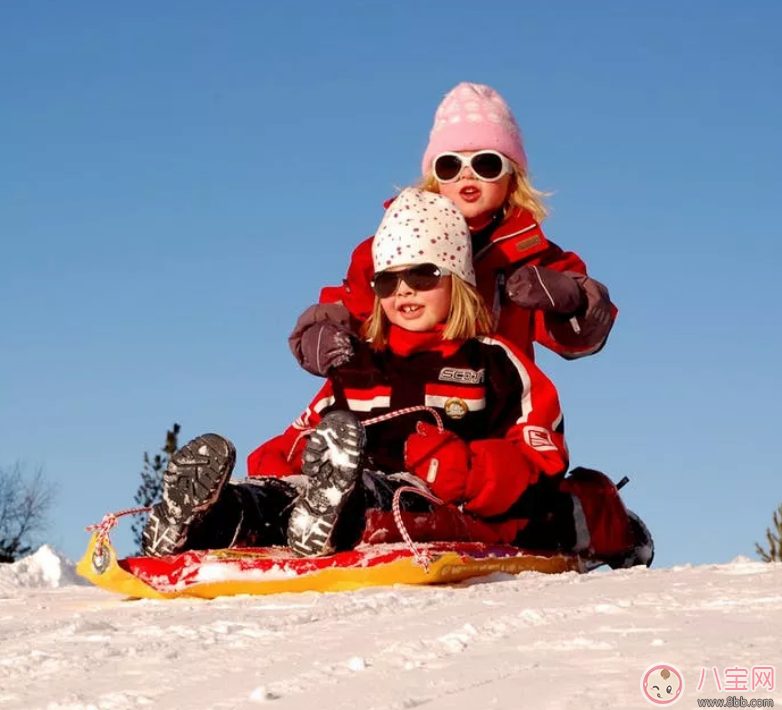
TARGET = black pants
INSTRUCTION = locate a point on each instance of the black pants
(254, 512)
(550, 519)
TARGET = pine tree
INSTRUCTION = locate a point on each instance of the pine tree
(25, 502)
(151, 489)
(774, 537)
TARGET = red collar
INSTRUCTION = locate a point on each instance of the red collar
(406, 342)
(517, 221)
(518, 237)
(518, 232)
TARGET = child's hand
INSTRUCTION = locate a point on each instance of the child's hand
(539, 288)
(324, 346)
(441, 459)
(322, 339)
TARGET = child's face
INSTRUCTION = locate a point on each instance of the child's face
(478, 200)
(418, 311)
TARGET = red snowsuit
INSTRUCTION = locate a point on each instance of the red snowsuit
(487, 392)
(517, 241)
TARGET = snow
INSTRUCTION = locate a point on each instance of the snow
(532, 640)
(46, 568)
(211, 572)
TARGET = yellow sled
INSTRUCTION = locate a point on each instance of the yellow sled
(215, 573)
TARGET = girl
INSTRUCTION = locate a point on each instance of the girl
(537, 291)
(501, 456)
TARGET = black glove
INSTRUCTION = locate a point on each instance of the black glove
(539, 288)
(322, 338)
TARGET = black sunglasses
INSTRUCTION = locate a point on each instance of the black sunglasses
(421, 277)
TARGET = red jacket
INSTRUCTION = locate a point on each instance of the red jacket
(517, 241)
(487, 392)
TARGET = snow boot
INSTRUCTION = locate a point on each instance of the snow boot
(602, 525)
(642, 552)
(193, 481)
(606, 532)
(332, 461)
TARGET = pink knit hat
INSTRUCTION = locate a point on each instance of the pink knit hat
(422, 227)
(474, 117)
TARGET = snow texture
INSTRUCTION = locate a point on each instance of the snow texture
(505, 641)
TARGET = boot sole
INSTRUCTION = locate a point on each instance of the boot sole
(193, 481)
(332, 461)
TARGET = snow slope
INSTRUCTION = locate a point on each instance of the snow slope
(506, 642)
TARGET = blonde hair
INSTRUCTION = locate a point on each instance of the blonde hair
(521, 193)
(468, 317)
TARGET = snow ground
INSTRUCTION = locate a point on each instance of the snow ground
(505, 642)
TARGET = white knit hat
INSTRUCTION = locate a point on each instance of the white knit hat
(422, 227)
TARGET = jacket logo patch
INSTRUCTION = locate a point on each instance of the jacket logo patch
(456, 401)
(455, 408)
(529, 242)
(462, 375)
(539, 438)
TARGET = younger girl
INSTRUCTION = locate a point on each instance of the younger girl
(501, 456)
(536, 291)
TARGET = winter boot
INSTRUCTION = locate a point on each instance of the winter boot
(332, 460)
(642, 552)
(602, 524)
(195, 476)
(606, 532)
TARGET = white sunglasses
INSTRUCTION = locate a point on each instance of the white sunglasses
(487, 165)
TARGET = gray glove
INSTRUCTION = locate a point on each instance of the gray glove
(539, 288)
(322, 338)
(578, 332)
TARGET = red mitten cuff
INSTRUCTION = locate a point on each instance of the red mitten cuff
(270, 460)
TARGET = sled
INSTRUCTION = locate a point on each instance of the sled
(214, 573)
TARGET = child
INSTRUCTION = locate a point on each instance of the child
(501, 456)
(537, 291)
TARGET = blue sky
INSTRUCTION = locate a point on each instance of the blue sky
(179, 179)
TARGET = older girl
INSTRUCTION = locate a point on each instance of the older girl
(536, 291)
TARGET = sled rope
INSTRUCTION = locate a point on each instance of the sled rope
(407, 410)
(376, 420)
(300, 436)
(421, 558)
(109, 521)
